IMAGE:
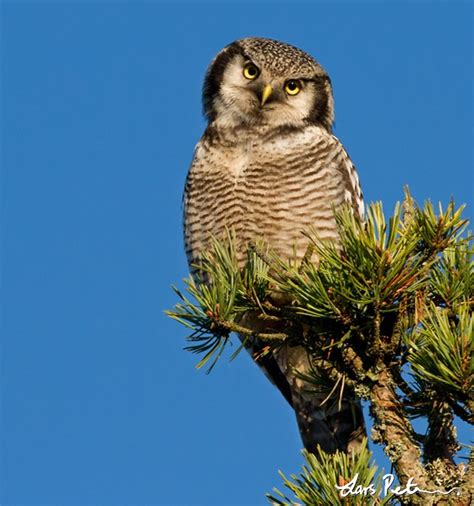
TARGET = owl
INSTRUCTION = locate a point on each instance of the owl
(268, 167)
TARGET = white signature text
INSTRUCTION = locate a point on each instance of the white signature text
(353, 488)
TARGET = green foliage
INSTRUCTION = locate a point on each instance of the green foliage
(213, 301)
(376, 264)
(452, 277)
(315, 486)
(221, 293)
(442, 351)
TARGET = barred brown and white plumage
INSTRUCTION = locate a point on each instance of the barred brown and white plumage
(269, 167)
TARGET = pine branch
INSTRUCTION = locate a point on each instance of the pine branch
(394, 297)
(315, 485)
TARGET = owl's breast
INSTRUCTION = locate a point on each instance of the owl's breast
(270, 188)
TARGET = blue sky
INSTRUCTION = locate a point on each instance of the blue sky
(100, 114)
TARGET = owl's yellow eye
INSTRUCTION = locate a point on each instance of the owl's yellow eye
(251, 71)
(292, 87)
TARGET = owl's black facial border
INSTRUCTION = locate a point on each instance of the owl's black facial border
(214, 76)
(322, 111)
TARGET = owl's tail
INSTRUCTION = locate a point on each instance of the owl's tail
(324, 418)
(338, 424)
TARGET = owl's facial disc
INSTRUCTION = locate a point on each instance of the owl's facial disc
(266, 82)
(249, 93)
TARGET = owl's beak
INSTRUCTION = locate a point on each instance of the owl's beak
(267, 91)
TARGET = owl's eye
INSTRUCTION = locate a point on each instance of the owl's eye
(292, 87)
(251, 71)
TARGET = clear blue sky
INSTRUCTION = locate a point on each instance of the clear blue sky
(100, 114)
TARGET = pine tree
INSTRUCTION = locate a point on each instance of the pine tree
(386, 313)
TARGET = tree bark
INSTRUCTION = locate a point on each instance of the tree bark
(393, 429)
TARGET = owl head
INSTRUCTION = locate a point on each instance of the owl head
(257, 80)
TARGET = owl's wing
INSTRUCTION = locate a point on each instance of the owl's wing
(193, 195)
(352, 190)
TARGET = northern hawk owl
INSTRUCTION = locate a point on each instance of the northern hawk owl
(268, 166)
